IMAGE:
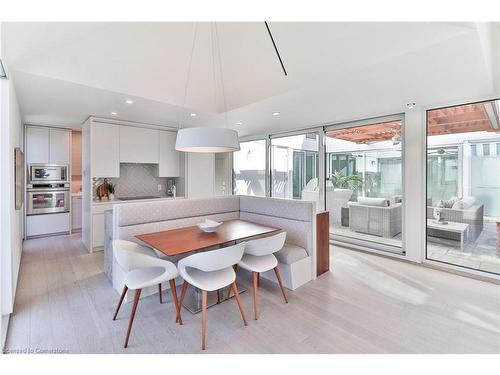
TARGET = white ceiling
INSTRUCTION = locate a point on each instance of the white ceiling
(64, 72)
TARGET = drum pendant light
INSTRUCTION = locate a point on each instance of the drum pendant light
(207, 139)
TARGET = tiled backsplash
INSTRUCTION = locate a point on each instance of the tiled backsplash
(136, 180)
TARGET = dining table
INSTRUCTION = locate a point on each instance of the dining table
(180, 242)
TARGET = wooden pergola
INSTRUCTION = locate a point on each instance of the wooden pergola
(451, 120)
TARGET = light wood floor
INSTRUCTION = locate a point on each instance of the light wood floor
(367, 304)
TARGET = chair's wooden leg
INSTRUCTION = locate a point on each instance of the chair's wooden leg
(176, 302)
(258, 279)
(124, 291)
(218, 296)
(278, 276)
(203, 319)
(159, 293)
(240, 306)
(179, 307)
(235, 268)
(132, 315)
(255, 287)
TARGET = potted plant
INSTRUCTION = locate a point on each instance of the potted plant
(352, 182)
(111, 191)
(343, 188)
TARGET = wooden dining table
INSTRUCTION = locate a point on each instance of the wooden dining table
(182, 241)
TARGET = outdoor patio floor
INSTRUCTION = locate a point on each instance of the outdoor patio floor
(481, 254)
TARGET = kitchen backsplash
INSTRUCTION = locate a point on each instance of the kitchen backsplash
(136, 180)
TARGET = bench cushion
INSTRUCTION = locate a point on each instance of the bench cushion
(290, 254)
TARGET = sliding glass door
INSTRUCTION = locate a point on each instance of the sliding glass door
(295, 167)
(463, 186)
(364, 184)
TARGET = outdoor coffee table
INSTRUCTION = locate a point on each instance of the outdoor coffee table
(460, 228)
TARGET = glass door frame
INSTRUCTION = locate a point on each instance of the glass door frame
(362, 245)
(425, 258)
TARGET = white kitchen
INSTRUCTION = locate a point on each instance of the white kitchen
(75, 176)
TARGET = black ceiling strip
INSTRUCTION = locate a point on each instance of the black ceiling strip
(275, 48)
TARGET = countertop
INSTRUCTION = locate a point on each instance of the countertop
(117, 201)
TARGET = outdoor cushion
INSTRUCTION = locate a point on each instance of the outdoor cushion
(464, 203)
(370, 201)
(290, 254)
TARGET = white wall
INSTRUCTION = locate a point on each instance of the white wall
(12, 220)
(200, 175)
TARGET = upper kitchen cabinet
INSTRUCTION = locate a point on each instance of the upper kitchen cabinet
(37, 145)
(59, 146)
(139, 145)
(105, 150)
(47, 145)
(168, 164)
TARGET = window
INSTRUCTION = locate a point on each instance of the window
(463, 185)
(294, 167)
(249, 168)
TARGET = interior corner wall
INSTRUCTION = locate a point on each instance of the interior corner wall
(414, 184)
(12, 220)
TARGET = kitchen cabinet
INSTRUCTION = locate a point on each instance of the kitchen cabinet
(97, 230)
(40, 225)
(47, 145)
(76, 213)
(168, 163)
(59, 146)
(139, 145)
(76, 154)
(37, 145)
(98, 224)
(105, 150)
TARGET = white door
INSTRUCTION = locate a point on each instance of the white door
(139, 145)
(168, 165)
(37, 145)
(59, 146)
(201, 174)
(105, 150)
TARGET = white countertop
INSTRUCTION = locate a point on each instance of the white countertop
(115, 201)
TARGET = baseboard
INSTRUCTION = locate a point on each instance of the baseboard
(5, 329)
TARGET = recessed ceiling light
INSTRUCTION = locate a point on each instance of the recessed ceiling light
(276, 113)
(114, 113)
(129, 101)
(410, 105)
(239, 123)
(193, 114)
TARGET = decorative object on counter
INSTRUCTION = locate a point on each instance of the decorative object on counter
(111, 191)
(196, 139)
(209, 226)
(102, 190)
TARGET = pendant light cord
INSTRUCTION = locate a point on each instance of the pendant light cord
(220, 72)
(188, 74)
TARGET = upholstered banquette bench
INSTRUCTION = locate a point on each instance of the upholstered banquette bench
(298, 218)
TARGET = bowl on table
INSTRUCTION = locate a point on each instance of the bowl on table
(209, 226)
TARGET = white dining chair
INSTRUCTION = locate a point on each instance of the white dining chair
(210, 271)
(144, 269)
(259, 257)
